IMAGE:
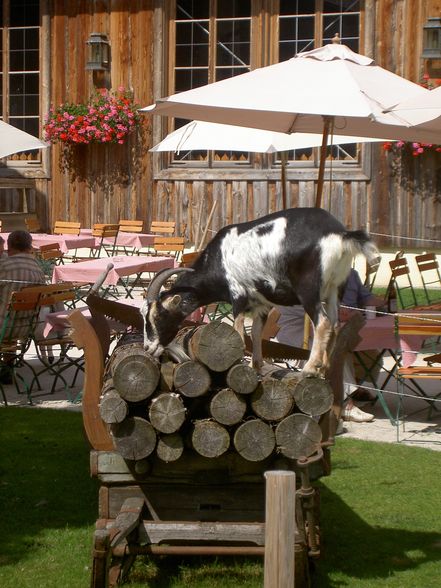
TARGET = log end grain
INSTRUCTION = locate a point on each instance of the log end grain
(298, 436)
(313, 396)
(254, 440)
(134, 438)
(210, 439)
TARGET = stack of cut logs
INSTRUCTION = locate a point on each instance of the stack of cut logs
(210, 402)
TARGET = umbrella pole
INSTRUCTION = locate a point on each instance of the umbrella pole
(283, 157)
(321, 173)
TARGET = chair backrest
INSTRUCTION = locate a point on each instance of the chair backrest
(67, 228)
(371, 272)
(20, 320)
(131, 226)
(428, 267)
(51, 294)
(105, 230)
(163, 227)
(173, 246)
(188, 259)
(32, 224)
(427, 325)
(51, 251)
(403, 283)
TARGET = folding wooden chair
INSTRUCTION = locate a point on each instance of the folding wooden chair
(188, 259)
(371, 272)
(107, 234)
(131, 226)
(66, 228)
(428, 267)
(163, 227)
(428, 325)
(16, 336)
(171, 246)
(53, 297)
(48, 257)
(403, 283)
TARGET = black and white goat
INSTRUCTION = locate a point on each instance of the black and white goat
(296, 256)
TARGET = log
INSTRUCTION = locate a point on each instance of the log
(298, 436)
(191, 378)
(242, 378)
(313, 396)
(134, 438)
(170, 447)
(254, 440)
(135, 373)
(209, 438)
(167, 412)
(113, 408)
(217, 345)
(272, 400)
(227, 407)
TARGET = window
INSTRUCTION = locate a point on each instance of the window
(20, 71)
(214, 39)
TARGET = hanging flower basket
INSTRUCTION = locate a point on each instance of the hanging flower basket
(108, 117)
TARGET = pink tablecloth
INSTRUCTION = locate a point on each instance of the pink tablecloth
(65, 242)
(136, 240)
(124, 265)
(379, 333)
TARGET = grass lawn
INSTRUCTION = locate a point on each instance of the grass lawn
(380, 515)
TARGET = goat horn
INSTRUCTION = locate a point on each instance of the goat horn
(159, 280)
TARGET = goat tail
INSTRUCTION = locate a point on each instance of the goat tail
(359, 242)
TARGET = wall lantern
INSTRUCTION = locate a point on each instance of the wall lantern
(98, 52)
(432, 38)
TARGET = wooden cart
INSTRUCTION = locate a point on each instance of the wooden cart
(194, 505)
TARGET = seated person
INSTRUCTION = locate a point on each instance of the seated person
(17, 270)
(291, 323)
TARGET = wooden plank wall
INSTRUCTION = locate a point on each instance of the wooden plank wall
(404, 202)
(110, 182)
(106, 182)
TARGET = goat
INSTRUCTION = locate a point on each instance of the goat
(295, 256)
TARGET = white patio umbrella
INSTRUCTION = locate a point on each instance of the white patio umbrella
(13, 140)
(198, 134)
(328, 89)
(423, 112)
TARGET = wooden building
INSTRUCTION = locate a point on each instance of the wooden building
(160, 47)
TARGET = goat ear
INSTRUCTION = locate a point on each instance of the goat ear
(172, 304)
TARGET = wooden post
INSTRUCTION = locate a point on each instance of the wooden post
(279, 529)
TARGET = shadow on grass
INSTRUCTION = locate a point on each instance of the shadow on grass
(353, 549)
(44, 477)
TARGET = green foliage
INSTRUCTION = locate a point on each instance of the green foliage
(380, 520)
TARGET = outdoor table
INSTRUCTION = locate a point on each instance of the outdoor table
(124, 266)
(380, 333)
(65, 242)
(126, 241)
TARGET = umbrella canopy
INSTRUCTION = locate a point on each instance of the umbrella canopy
(214, 136)
(328, 88)
(13, 140)
(422, 111)
(205, 135)
(295, 95)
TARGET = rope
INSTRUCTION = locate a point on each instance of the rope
(402, 237)
(393, 393)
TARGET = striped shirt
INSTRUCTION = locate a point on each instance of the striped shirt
(17, 272)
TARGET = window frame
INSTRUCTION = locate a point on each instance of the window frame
(261, 166)
(22, 168)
